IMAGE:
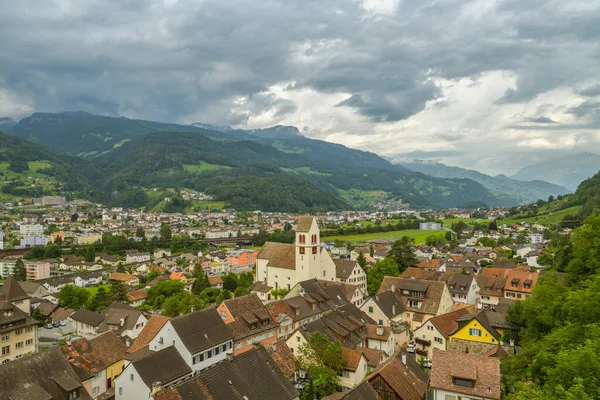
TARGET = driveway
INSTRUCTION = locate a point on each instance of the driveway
(47, 337)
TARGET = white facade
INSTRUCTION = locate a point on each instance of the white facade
(167, 336)
(350, 379)
(87, 281)
(439, 394)
(7, 267)
(536, 238)
(428, 331)
(138, 257)
(30, 241)
(1, 240)
(83, 329)
(430, 226)
(99, 384)
(31, 230)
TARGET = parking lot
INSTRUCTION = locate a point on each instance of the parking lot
(48, 336)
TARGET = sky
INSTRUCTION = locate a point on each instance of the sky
(487, 85)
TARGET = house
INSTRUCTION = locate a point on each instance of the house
(353, 293)
(153, 371)
(241, 258)
(134, 256)
(456, 376)
(282, 266)
(429, 264)
(162, 253)
(178, 276)
(474, 334)
(127, 279)
(87, 322)
(216, 282)
(149, 332)
(355, 369)
(249, 322)
(248, 376)
(107, 259)
(46, 375)
(520, 284)
(54, 285)
(464, 289)
(436, 331)
(202, 338)
(364, 391)
(137, 297)
(491, 289)
(126, 321)
(102, 358)
(381, 338)
(388, 310)
(88, 279)
(400, 377)
(18, 331)
(347, 271)
(422, 299)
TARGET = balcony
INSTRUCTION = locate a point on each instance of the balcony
(423, 342)
(421, 352)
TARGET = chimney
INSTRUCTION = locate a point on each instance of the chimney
(229, 356)
(122, 321)
(301, 292)
(256, 344)
(393, 287)
(128, 342)
(404, 358)
(379, 330)
(377, 297)
(394, 310)
(155, 388)
(68, 340)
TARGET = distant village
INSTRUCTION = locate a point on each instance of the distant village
(102, 303)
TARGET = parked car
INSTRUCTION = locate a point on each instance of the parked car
(48, 326)
(56, 324)
(63, 323)
(411, 348)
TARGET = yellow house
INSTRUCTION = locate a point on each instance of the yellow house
(474, 334)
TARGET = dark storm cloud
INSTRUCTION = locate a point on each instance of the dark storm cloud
(591, 91)
(215, 60)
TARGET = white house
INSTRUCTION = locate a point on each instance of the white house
(355, 369)
(202, 338)
(133, 256)
(85, 280)
(430, 226)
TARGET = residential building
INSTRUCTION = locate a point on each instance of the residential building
(7, 266)
(249, 322)
(178, 276)
(352, 293)
(101, 357)
(145, 375)
(161, 253)
(520, 284)
(364, 391)
(137, 297)
(37, 270)
(430, 226)
(436, 331)
(30, 241)
(388, 311)
(88, 238)
(31, 229)
(355, 369)
(422, 299)
(18, 331)
(347, 271)
(88, 279)
(474, 334)
(248, 376)
(46, 375)
(464, 289)
(242, 258)
(134, 256)
(491, 289)
(381, 338)
(460, 376)
(53, 285)
(86, 322)
(149, 332)
(128, 279)
(400, 377)
(34, 289)
(1, 240)
(281, 266)
(124, 320)
(202, 338)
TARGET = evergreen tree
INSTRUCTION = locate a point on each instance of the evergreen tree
(90, 253)
(230, 282)
(381, 269)
(100, 301)
(118, 291)
(19, 272)
(200, 284)
(402, 253)
(361, 260)
(165, 231)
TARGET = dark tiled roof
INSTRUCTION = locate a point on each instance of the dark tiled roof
(88, 317)
(363, 391)
(344, 268)
(390, 303)
(201, 329)
(12, 291)
(162, 366)
(304, 223)
(409, 382)
(39, 376)
(248, 311)
(283, 357)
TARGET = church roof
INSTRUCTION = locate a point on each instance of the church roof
(12, 291)
(304, 223)
(280, 255)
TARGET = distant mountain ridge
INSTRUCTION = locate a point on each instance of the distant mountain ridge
(501, 185)
(568, 171)
(278, 154)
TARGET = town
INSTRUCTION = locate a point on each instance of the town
(120, 303)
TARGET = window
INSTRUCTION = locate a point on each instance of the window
(323, 272)
(463, 382)
(217, 351)
(238, 345)
(120, 391)
(5, 350)
(19, 331)
(370, 309)
(224, 347)
(438, 340)
(19, 345)
(474, 332)
(6, 337)
(209, 354)
(95, 390)
(29, 329)
(314, 250)
(345, 374)
(301, 249)
(73, 395)
(449, 397)
(298, 339)
(28, 342)
(380, 322)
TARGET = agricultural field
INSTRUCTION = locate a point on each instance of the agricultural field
(362, 197)
(545, 217)
(416, 234)
(202, 167)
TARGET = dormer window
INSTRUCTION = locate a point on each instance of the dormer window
(464, 382)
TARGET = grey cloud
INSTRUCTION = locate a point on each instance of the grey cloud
(591, 91)
(585, 109)
(541, 120)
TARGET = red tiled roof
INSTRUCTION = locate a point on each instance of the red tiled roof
(153, 326)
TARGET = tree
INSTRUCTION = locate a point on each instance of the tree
(361, 260)
(163, 290)
(279, 293)
(448, 236)
(487, 242)
(74, 297)
(493, 226)
(200, 283)
(434, 241)
(52, 251)
(139, 232)
(230, 282)
(118, 291)
(182, 303)
(100, 301)
(241, 291)
(165, 231)
(324, 361)
(371, 250)
(381, 269)
(90, 253)
(402, 253)
(19, 272)
(121, 268)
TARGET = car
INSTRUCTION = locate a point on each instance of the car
(411, 348)
(48, 326)
(63, 323)
(56, 324)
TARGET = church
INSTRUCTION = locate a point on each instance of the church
(282, 265)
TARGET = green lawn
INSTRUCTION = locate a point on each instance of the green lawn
(544, 218)
(203, 166)
(417, 234)
(449, 221)
(93, 290)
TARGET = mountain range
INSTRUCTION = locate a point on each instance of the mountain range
(121, 160)
(499, 185)
(568, 171)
